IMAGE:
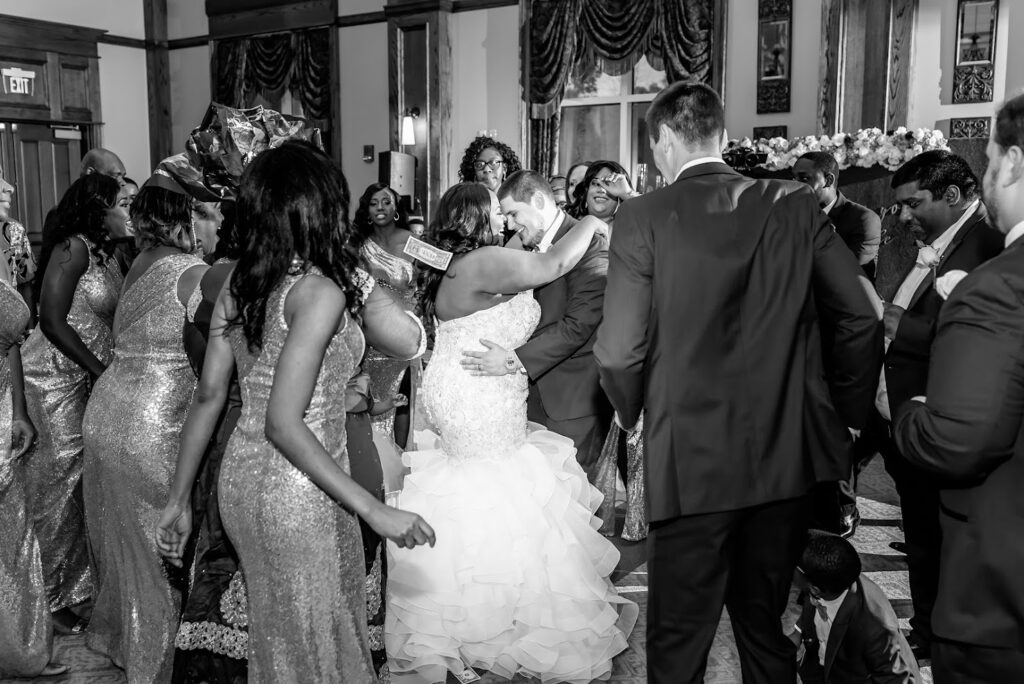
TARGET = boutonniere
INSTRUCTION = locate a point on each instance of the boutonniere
(928, 257)
(949, 280)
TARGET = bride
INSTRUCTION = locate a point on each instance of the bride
(518, 582)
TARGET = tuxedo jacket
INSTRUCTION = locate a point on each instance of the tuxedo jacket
(971, 432)
(559, 357)
(715, 286)
(906, 362)
(864, 643)
(861, 230)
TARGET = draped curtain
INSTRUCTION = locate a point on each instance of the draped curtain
(612, 35)
(269, 65)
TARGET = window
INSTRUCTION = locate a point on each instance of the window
(603, 118)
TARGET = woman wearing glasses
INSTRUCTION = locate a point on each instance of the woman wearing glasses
(488, 162)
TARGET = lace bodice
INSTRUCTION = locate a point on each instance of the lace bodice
(479, 417)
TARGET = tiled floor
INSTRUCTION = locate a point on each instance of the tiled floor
(879, 526)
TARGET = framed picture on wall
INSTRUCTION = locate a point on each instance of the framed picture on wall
(770, 132)
(974, 70)
(976, 32)
(774, 49)
(774, 55)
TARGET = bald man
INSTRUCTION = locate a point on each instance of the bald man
(99, 160)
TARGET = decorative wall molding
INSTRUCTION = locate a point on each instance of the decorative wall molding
(971, 127)
(973, 83)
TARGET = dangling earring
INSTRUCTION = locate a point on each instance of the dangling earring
(192, 234)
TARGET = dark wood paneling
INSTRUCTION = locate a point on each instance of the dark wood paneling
(874, 84)
(904, 15)
(36, 82)
(233, 18)
(123, 41)
(361, 19)
(158, 80)
(75, 86)
(48, 36)
(401, 8)
(829, 73)
(336, 148)
(180, 43)
(471, 5)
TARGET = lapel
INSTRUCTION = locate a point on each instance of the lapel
(979, 215)
(567, 223)
(840, 625)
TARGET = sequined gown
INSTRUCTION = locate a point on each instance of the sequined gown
(25, 630)
(56, 390)
(131, 430)
(395, 275)
(301, 552)
(518, 581)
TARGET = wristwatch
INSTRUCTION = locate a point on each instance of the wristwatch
(512, 364)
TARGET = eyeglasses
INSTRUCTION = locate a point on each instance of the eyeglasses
(493, 165)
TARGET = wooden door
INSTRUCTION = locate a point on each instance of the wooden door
(41, 161)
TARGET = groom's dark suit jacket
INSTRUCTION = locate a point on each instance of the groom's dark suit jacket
(559, 357)
(715, 286)
(906, 362)
(971, 432)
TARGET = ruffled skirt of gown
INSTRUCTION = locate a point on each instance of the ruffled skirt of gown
(518, 579)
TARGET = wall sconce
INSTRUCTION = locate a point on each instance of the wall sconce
(408, 132)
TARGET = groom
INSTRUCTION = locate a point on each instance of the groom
(716, 285)
(565, 392)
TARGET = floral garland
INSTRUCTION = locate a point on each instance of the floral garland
(866, 148)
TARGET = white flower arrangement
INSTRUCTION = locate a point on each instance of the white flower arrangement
(866, 148)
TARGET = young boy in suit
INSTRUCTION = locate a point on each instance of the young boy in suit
(850, 632)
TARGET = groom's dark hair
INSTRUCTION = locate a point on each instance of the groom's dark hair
(522, 185)
(693, 110)
(1009, 129)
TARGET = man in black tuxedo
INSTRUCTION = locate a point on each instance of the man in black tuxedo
(715, 287)
(939, 201)
(859, 227)
(565, 392)
(835, 503)
(968, 431)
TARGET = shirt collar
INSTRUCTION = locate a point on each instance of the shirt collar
(832, 606)
(1015, 233)
(940, 243)
(831, 205)
(549, 234)
(694, 162)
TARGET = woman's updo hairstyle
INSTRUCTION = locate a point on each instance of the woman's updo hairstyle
(163, 218)
(461, 223)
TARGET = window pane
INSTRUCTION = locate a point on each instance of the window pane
(643, 170)
(594, 83)
(647, 79)
(588, 134)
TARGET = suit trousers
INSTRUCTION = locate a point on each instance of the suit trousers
(742, 559)
(954, 662)
(587, 433)
(919, 506)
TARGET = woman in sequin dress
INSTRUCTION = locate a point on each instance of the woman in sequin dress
(382, 227)
(26, 633)
(78, 285)
(131, 431)
(519, 581)
(286, 498)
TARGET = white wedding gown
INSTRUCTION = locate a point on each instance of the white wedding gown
(518, 581)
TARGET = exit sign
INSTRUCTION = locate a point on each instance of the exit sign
(23, 84)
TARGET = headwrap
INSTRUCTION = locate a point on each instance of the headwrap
(222, 146)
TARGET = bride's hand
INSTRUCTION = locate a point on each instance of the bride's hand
(405, 529)
(172, 532)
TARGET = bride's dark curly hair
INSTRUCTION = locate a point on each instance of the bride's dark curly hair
(479, 144)
(461, 223)
(81, 211)
(291, 216)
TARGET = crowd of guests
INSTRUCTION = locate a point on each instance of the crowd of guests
(205, 427)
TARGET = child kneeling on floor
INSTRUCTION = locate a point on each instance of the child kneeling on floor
(849, 630)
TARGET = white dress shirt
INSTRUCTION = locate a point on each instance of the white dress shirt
(1014, 233)
(906, 293)
(823, 626)
(831, 205)
(549, 234)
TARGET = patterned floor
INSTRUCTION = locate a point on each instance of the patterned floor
(879, 527)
